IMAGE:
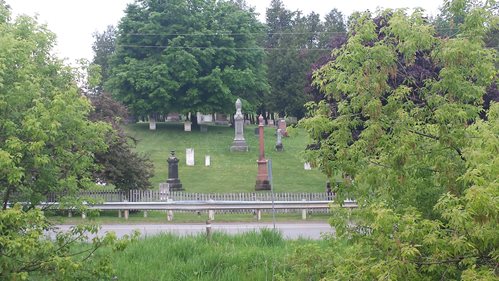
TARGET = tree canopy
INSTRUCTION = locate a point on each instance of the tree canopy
(187, 56)
(47, 142)
(407, 120)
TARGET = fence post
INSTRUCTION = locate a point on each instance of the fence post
(304, 211)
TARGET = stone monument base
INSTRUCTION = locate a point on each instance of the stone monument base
(279, 147)
(174, 185)
(262, 185)
(239, 145)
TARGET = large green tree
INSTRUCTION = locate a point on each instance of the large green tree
(47, 142)
(404, 120)
(294, 42)
(187, 56)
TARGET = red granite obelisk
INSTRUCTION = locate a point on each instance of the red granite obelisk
(262, 179)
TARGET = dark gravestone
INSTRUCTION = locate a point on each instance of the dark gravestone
(173, 180)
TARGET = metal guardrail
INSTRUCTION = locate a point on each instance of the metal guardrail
(211, 206)
(208, 205)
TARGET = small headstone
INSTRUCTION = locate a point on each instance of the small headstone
(203, 128)
(257, 131)
(247, 122)
(270, 123)
(221, 119)
(173, 117)
(189, 156)
(278, 146)
(152, 122)
(187, 126)
(282, 125)
(307, 166)
(207, 160)
(204, 118)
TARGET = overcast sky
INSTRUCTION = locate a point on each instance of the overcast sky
(74, 21)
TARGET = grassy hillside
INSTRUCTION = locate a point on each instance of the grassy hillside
(229, 171)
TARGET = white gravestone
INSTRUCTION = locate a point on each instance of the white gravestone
(189, 156)
(207, 160)
(152, 122)
(307, 166)
(187, 126)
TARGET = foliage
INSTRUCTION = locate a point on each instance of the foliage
(248, 256)
(103, 47)
(47, 142)
(404, 120)
(187, 56)
(293, 43)
(26, 254)
(121, 165)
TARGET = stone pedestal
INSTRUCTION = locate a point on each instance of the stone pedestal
(239, 143)
(262, 178)
(173, 181)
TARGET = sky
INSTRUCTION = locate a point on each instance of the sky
(74, 21)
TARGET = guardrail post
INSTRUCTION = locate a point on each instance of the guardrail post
(126, 211)
(169, 213)
(208, 229)
(70, 214)
(304, 212)
(145, 213)
(119, 213)
(211, 213)
(258, 215)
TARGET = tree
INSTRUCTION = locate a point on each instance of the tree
(47, 142)
(120, 165)
(103, 47)
(294, 42)
(401, 121)
(187, 56)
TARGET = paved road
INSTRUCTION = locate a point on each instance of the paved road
(310, 230)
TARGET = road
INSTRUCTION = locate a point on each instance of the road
(295, 230)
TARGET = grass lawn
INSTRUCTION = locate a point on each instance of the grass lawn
(229, 171)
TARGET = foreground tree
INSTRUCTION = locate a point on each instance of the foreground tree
(402, 121)
(47, 142)
(187, 56)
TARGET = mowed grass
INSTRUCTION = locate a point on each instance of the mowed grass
(229, 171)
(249, 256)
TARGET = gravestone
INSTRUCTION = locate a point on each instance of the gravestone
(270, 123)
(307, 166)
(203, 128)
(173, 117)
(189, 156)
(187, 126)
(152, 122)
(173, 181)
(239, 143)
(291, 120)
(207, 160)
(278, 146)
(221, 119)
(262, 178)
(282, 125)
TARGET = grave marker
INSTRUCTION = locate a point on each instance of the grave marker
(189, 156)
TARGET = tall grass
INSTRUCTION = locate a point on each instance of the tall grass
(248, 256)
